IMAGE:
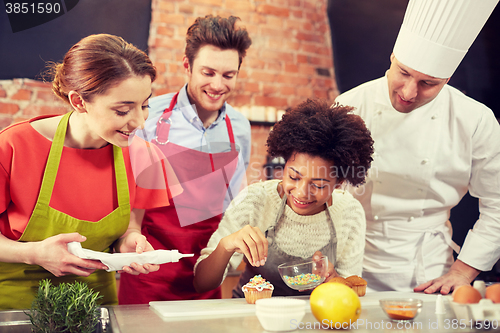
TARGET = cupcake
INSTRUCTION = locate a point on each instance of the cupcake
(340, 279)
(358, 284)
(257, 288)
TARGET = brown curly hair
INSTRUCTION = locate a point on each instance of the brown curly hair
(333, 133)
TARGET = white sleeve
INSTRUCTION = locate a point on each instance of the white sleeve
(481, 248)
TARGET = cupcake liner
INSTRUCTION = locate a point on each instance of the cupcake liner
(251, 294)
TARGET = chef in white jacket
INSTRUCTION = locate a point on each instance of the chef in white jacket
(432, 144)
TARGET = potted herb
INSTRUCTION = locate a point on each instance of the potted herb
(67, 307)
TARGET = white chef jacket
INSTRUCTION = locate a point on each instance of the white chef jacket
(424, 163)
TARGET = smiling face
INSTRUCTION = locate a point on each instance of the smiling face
(308, 182)
(212, 78)
(409, 89)
(112, 117)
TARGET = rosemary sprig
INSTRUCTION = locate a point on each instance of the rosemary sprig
(67, 307)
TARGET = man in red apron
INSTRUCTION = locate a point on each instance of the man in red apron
(207, 143)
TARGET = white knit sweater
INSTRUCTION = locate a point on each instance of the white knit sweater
(297, 235)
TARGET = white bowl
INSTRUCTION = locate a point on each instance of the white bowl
(280, 313)
(280, 304)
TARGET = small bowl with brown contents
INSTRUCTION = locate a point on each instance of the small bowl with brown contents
(401, 309)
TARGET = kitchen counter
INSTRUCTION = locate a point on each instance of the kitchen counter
(234, 315)
(143, 318)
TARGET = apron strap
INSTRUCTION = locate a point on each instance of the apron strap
(163, 125)
(233, 148)
(50, 173)
(52, 166)
(333, 238)
(122, 185)
(270, 231)
(230, 133)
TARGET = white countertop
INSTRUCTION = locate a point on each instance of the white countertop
(234, 315)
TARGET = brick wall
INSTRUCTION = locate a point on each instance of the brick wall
(289, 61)
(22, 99)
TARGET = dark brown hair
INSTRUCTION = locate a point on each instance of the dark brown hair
(97, 63)
(332, 133)
(217, 31)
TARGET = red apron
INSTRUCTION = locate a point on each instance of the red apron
(189, 221)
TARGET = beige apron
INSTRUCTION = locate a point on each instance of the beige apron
(19, 282)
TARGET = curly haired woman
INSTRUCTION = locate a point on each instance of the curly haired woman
(304, 215)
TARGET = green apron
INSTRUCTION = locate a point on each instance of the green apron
(18, 281)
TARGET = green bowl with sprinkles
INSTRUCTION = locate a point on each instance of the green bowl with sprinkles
(304, 274)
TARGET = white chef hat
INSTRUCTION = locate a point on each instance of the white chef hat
(436, 34)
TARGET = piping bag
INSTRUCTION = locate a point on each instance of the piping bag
(116, 261)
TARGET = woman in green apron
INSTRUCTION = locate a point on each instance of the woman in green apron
(70, 178)
(302, 215)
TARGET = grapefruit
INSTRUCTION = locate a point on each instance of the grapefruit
(335, 304)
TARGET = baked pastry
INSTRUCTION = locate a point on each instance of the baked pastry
(340, 279)
(358, 284)
(257, 288)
